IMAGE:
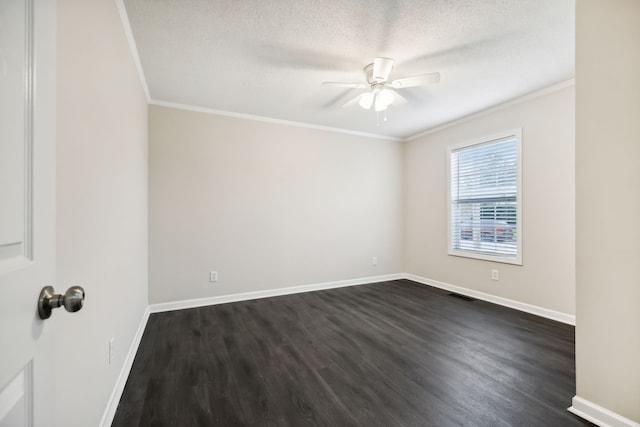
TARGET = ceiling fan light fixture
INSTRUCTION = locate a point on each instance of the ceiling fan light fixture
(366, 100)
(380, 106)
(384, 98)
(382, 91)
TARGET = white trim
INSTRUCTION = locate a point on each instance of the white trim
(599, 415)
(269, 120)
(116, 394)
(513, 133)
(494, 108)
(126, 25)
(245, 296)
(122, 11)
(527, 308)
(483, 256)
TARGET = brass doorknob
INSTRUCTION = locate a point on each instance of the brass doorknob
(72, 300)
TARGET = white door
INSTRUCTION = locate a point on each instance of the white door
(27, 209)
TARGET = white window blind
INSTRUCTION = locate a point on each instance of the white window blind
(484, 181)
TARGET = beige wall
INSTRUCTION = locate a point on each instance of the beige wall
(608, 204)
(266, 205)
(546, 279)
(102, 205)
(271, 206)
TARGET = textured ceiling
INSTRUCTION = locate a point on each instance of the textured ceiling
(269, 58)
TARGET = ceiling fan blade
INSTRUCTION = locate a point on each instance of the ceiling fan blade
(350, 85)
(398, 99)
(382, 69)
(420, 80)
(353, 101)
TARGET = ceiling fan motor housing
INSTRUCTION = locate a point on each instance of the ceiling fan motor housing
(382, 91)
(379, 70)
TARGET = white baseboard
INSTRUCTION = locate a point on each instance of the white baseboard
(116, 394)
(528, 308)
(245, 296)
(114, 399)
(599, 415)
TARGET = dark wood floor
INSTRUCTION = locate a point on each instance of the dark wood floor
(387, 354)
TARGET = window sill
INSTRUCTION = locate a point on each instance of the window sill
(485, 257)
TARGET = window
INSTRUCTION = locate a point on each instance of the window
(484, 199)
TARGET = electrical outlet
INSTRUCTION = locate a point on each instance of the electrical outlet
(111, 349)
(495, 274)
(213, 276)
(374, 260)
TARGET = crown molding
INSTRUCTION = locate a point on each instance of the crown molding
(524, 98)
(126, 25)
(264, 119)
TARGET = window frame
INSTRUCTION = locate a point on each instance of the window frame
(517, 260)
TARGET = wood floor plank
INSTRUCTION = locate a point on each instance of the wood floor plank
(387, 354)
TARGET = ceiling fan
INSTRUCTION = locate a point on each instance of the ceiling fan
(381, 91)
